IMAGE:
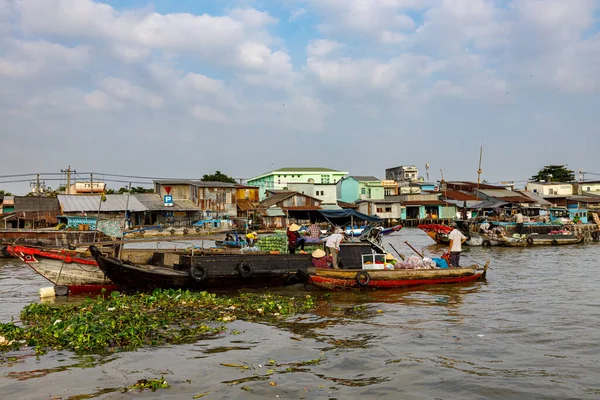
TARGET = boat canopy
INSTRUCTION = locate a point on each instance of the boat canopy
(346, 215)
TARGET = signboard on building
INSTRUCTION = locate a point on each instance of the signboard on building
(168, 201)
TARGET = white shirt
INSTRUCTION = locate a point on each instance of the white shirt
(519, 218)
(456, 237)
(334, 241)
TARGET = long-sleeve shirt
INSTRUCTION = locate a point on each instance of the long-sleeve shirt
(334, 241)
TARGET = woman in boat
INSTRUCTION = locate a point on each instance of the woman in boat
(294, 239)
(321, 260)
(251, 238)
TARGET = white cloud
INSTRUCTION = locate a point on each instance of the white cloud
(209, 114)
(297, 13)
(322, 47)
(132, 35)
(125, 90)
(99, 100)
(33, 58)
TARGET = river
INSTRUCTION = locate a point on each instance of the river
(529, 331)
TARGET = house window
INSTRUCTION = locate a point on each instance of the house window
(379, 209)
(324, 178)
(589, 189)
(363, 191)
(388, 209)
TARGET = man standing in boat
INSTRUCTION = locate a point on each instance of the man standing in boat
(519, 220)
(456, 240)
(333, 246)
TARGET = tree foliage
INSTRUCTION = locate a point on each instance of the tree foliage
(3, 193)
(218, 177)
(554, 173)
(135, 189)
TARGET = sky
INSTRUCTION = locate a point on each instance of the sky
(183, 88)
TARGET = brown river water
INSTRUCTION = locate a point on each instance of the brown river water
(529, 332)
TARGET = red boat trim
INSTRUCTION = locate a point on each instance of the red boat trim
(395, 283)
(81, 289)
(63, 255)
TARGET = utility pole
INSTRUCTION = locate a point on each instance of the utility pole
(91, 183)
(37, 186)
(68, 172)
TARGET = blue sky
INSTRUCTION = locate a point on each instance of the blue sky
(183, 88)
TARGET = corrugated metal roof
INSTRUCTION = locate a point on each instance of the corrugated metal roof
(245, 205)
(506, 195)
(330, 207)
(425, 203)
(113, 203)
(364, 178)
(274, 199)
(155, 202)
(274, 212)
(458, 195)
(24, 204)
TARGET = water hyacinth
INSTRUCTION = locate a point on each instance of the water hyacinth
(121, 322)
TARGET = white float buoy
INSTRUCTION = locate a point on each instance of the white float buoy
(47, 292)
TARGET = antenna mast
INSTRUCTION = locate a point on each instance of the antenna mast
(479, 171)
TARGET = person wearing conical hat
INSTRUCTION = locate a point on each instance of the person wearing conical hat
(294, 239)
(251, 238)
(390, 261)
(320, 259)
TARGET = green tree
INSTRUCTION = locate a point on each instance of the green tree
(554, 173)
(135, 189)
(218, 177)
(3, 193)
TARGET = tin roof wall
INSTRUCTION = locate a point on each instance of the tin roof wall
(155, 202)
(23, 204)
(113, 203)
(535, 197)
(364, 178)
(458, 195)
(506, 195)
(459, 185)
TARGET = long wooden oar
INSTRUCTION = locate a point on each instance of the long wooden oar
(397, 252)
(408, 244)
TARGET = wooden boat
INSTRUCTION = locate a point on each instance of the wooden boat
(439, 233)
(541, 240)
(226, 270)
(553, 240)
(201, 272)
(390, 279)
(358, 231)
(80, 273)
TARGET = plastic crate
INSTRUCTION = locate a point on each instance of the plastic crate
(373, 261)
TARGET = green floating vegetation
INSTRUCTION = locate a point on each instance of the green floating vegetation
(151, 384)
(121, 322)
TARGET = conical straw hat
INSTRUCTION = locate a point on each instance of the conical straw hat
(318, 253)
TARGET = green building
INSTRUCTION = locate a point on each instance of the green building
(355, 187)
(280, 178)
